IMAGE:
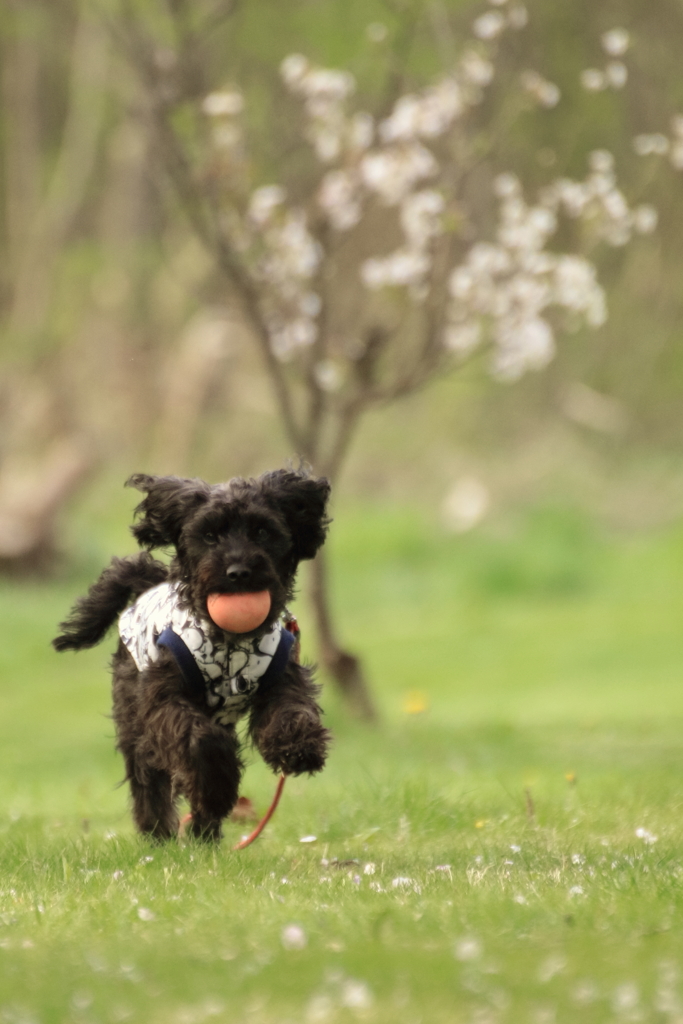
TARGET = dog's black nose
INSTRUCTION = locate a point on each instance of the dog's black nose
(238, 573)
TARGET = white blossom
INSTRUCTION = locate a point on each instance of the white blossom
(463, 338)
(593, 80)
(489, 25)
(361, 130)
(264, 201)
(293, 69)
(393, 173)
(401, 268)
(655, 143)
(421, 217)
(616, 74)
(601, 160)
(615, 42)
(475, 69)
(426, 115)
(547, 94)
(339, 197)
(518, 16)
(327, 375)
(223, 104)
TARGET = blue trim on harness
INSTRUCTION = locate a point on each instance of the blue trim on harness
(192, 674)
(280, 658)
(189, 668)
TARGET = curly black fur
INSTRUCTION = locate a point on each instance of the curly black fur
(246, 535)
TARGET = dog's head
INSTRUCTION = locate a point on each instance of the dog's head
(245, 536)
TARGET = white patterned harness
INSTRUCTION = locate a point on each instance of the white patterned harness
(228, 672)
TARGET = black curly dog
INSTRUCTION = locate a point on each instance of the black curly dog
(243, 536)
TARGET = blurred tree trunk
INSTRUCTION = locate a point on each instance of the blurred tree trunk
(344, 668)
(43, 193)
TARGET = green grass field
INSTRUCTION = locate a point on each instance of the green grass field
(506, 847)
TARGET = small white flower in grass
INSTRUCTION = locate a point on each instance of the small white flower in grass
(356, 995)
(518, 898)
(576, 890)
(616, 74)
(223, 104)
(626, 997)
(593, 80)
(376, 887)
(585, 992)
(308, 839)
(401, 882)
(117, 875)
(577, 858)
(515, 848)
(293, 937)
(647, 837)
(464, 506)
(145, 914)
(467, 949)
(320, 1008)
(488, 25)
(369, 868)
(615, 42)
(551, 966)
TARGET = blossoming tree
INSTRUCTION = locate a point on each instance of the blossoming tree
(372, 269)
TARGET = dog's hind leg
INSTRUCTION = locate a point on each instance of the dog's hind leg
(211, 778)
(154, 810)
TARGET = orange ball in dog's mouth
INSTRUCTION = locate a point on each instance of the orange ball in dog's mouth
(239, 613)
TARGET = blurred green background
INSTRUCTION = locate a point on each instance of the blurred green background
(506, 560)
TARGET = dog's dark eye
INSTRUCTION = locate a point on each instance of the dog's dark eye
(210, 538)
(262, 535)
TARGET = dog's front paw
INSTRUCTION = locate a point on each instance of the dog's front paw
(296, 745)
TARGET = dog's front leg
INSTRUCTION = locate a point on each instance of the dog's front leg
(285, 723)
(201, 757)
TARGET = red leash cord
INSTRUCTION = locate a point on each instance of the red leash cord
(248, 840)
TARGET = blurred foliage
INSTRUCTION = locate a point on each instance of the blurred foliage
(100, 278)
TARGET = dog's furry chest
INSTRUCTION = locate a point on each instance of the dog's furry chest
(231, 671)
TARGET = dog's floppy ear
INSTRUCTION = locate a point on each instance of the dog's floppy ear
(302, 500)
(169, 501)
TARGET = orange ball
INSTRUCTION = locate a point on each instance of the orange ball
(239, 613)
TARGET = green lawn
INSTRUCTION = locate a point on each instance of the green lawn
(510, 853)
